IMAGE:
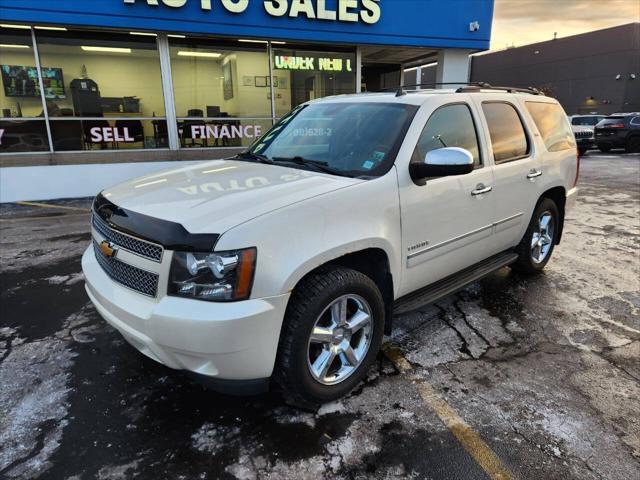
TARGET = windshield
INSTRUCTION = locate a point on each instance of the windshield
(351, 139)
(586, 121)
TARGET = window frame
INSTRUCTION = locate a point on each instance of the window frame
(474, 121)
(525, 129)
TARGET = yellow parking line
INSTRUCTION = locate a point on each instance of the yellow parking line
(54, 217)
(47, 205)
(468, 438)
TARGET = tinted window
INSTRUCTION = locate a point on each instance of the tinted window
(552, 125)
(635, 121)
(507, 133)
(449, 126)
(357, 139)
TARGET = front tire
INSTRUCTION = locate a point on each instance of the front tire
(536, 247)
(331, 335)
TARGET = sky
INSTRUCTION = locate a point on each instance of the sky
(522, 22)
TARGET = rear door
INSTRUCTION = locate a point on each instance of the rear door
(447, 222)
(517, 168)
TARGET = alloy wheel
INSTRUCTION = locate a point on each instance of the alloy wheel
(542, 238)
(340, 339)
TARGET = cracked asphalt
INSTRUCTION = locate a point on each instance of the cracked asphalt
(546, 370)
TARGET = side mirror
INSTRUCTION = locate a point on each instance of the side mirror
(443, 162)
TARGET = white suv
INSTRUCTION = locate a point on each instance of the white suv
(286, 262)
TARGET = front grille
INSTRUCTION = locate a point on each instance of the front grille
(584, 134)
(143, 248)
(128, 275)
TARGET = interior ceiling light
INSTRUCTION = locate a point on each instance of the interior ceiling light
(183, 53)
(22, 27)
(106, 49)
(249, 40)
(5, 45)
(57, 29)
(171, 35)
(143, 34)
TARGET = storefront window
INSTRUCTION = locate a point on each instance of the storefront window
(221, 90)
(103, 90)
(22, 126)
(301, 75)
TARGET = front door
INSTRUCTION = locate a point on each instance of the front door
(447, 222)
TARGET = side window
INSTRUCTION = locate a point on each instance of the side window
(449, 126)
(552, 125)
(635, 121)
(508, 137)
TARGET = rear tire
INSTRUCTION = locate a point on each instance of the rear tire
(633, 145)
(604, 148)
(536, 247)
(319, 368)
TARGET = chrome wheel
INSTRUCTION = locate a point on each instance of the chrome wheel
(542, 238)
(340, 339)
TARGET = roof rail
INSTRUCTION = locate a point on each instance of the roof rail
(469, 87)
(400, 90)
(486, 86)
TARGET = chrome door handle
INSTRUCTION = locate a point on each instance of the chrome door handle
(481, 188)
(533, 173)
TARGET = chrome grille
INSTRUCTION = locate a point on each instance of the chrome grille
(127, 275)
(143, 248)
(585, 134)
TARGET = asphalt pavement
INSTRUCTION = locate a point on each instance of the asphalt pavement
(513, 377)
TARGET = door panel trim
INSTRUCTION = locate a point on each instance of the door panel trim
(463, 236)
(448, 242)
(508, 219)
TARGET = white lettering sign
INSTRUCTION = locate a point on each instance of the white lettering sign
(367, 11)
(110, 134)
(225, 131)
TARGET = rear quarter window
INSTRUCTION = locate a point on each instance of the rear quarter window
(552, 125)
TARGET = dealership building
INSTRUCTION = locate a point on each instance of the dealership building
(96, 92)
(591, 73)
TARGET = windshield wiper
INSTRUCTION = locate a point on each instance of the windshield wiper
(256, 157)
(318, 165)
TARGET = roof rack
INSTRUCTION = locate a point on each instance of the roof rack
(400, 90)
(469, 87)
(486, 86)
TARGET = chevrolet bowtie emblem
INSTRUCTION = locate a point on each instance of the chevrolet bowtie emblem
(108, 249)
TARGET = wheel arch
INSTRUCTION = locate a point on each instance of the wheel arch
(559, 196)
(373, 262)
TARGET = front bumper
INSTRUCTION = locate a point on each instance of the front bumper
(586, 143)
(222, 341)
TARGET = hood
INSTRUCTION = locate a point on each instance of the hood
(214, 196)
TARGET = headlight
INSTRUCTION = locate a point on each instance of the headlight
(216, 277)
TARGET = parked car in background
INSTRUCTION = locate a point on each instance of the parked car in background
(621, 130)
(582, 126)
(286, 261)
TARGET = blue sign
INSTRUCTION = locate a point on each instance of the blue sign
(419, 23)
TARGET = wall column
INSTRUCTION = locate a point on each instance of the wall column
(454, 65)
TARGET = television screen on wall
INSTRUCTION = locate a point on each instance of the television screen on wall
(19, 81)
